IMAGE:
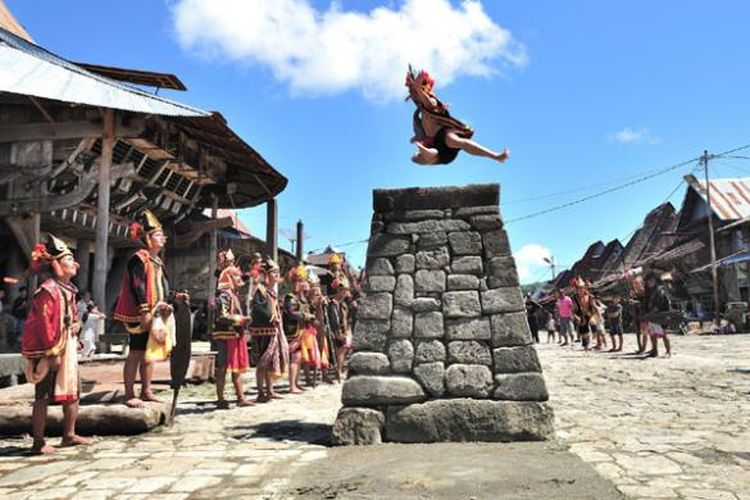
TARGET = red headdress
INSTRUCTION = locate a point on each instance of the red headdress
(49, 253)
(144, 226)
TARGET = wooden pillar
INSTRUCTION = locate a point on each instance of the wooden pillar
(36, 237)
(300, 242)
(99, 288)
(213, 250)
(272, 229)
(83, 257)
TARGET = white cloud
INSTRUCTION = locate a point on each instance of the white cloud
(629, 135)
(335, 50)
(530, 262)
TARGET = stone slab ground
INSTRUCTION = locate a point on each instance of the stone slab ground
(625, 428)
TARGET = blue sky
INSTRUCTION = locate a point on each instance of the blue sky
(584, 93)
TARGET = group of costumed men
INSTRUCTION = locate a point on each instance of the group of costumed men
(306, 331)
(303, 332)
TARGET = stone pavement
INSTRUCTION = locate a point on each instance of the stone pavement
(656, 428)
(659, 428)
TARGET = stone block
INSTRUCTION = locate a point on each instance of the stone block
(463, 282)
(428, 325)
(429, 352)
(469, 420)
(486, 222)
(509, 330)
(467, 265)
(520, 387)
(380, 267)
(429, 241)
(502, 300)
(468, 381)
(427, 226)
(429, 281)
(468, 329)
(369, 363)
(425, 304)
(376, 306)
(433, 259)
(404, 293)
(432, 378)
(370, 334)
(388, 245)
(469, 352)
(412, 215)
(402, 323)
(358, 426)
(367, 390)
(426, 198)
(401, 355)
(467, 212)
(495, 243)
(380, 284)
(516, 359)
(405, 264)
(501, 272)
(461, 304)
(465, 243)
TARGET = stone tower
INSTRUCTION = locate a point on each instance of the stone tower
(442, 347)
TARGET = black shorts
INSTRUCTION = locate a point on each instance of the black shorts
(615, 328)
(221, 354)
(138, 341)
(45, 390)
(446, 154)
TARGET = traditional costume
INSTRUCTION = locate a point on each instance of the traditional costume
(269, 347)
(337, 313)
(298, 320)
(420, 92)
(145, 289)
(228, 328)
(585, 310)
(48, 332)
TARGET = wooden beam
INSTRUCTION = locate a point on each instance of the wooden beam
(272, 229)
(65, 130)
(99, 288)
(52, 202)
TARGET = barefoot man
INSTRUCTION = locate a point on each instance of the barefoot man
(437, 135)
(144, 287)
(50, 342)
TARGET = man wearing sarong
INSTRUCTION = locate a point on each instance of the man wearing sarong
(229, 331)
(143, 294)
(338, 321)
(319, 304)
(270, 351)
(299, 329)
(50, 343)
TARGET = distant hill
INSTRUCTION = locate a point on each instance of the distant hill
(530, 287)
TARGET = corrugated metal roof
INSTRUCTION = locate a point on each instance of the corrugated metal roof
(34, 71)
(730, 198)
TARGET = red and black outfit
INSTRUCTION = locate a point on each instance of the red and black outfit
(300, 330)
(269, 350)
(229, 332)
(144, 284)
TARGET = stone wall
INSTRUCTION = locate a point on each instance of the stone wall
(442, 348)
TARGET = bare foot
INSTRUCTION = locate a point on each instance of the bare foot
(75, 440)
(222, 404)
(149, 396)
(134, 403)
(244, 402)
(504, 155)
(262, 398)
(43, 449)
(275, 396)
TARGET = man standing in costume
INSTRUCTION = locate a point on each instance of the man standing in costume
(143, 294)
(584, 310)
(338, 320)
(299, 329)
(229, 331)
(319, 304)
(438, 136)
(269, 348)
(49, 343)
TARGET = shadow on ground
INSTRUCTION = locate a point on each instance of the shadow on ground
(287, 430)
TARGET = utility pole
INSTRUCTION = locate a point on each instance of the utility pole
(714, 270)
(551, 261)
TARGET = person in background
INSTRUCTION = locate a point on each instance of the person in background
(614, 318)
(551, 327)
(564, 307)
(19, 310)
(84, 305)
(531, 316)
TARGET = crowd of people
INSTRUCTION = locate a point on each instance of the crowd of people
(578, 316)
(306, 332)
